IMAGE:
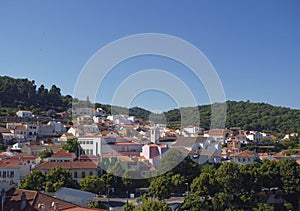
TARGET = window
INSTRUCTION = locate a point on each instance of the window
(0, 173)
(91, 151)
(4, 174)
(12, 174)
(75, 174)
(91, 173)
(83, 174)
(243, 159)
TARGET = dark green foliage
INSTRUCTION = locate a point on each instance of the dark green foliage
(58, 178)
(194, 203)
(248, 116)
(71, 145)
(160, 187)
(263, 207)
(45, 154)
(23, 94)
(96, 204)
(92, 184)
(151, 205)
(233, 185)
(128, 207)
(34, 181)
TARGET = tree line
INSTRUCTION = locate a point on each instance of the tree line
(24, 94)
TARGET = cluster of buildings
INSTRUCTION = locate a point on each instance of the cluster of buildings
(105, 140)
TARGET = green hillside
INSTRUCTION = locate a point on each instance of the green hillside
(248, 116)
(23, 94)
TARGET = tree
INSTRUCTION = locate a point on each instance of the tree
(194, 203)
(129, 207)
(263, 207)
(45, 154)
(220, 201)
(177, 181)
(289, 175)
(270, 174)
(205, 185)
(33, 181)
(71, 145)
(188, 169)
(92, 184)
(58, 178)
(160, 187)
(95, 204)
(150, 205)
(170, 160)
(229, 176)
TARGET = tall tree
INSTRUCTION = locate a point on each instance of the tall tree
(160, 187)
(92, 184)
(58, 178)
(33, 181)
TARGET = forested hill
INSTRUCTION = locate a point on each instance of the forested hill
(249, 116)
(24, 94)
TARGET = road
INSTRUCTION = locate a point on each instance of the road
(117, 204)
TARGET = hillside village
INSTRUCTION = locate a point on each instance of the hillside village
(104, 140)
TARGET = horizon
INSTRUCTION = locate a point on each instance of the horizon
(159, 111)
(253, 46)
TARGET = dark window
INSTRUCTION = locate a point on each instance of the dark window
(75, 174)
(12, 174)
(83, 174)
(91, 173)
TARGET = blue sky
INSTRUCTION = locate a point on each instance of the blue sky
(253, 45)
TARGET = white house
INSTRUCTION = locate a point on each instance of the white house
(62, 156)
(255, 136)
(14, 169)
(58, 127)
(23, 113)
(90, 145)
(244, 157)
(153, 153)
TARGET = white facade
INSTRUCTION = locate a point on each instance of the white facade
(27, 114)
(154, 134)
(91, 145)
(58, 127)
(12, 170)
(255, 137)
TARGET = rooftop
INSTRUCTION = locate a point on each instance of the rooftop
(68, 165)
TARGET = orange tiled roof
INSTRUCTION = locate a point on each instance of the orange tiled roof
(68, 165)
(35, 199)
(11, 163)
(20, 127)
(278, 155)
(245, 154)
(63, 153)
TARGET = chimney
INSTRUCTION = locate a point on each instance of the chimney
(55, 206)
(42, 207)
(23, 200)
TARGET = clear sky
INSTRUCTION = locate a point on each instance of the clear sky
(253, 45)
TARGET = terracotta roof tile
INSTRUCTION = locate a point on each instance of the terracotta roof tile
(63, 153)
(35, 199)
(68, 165)
(246, 154)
